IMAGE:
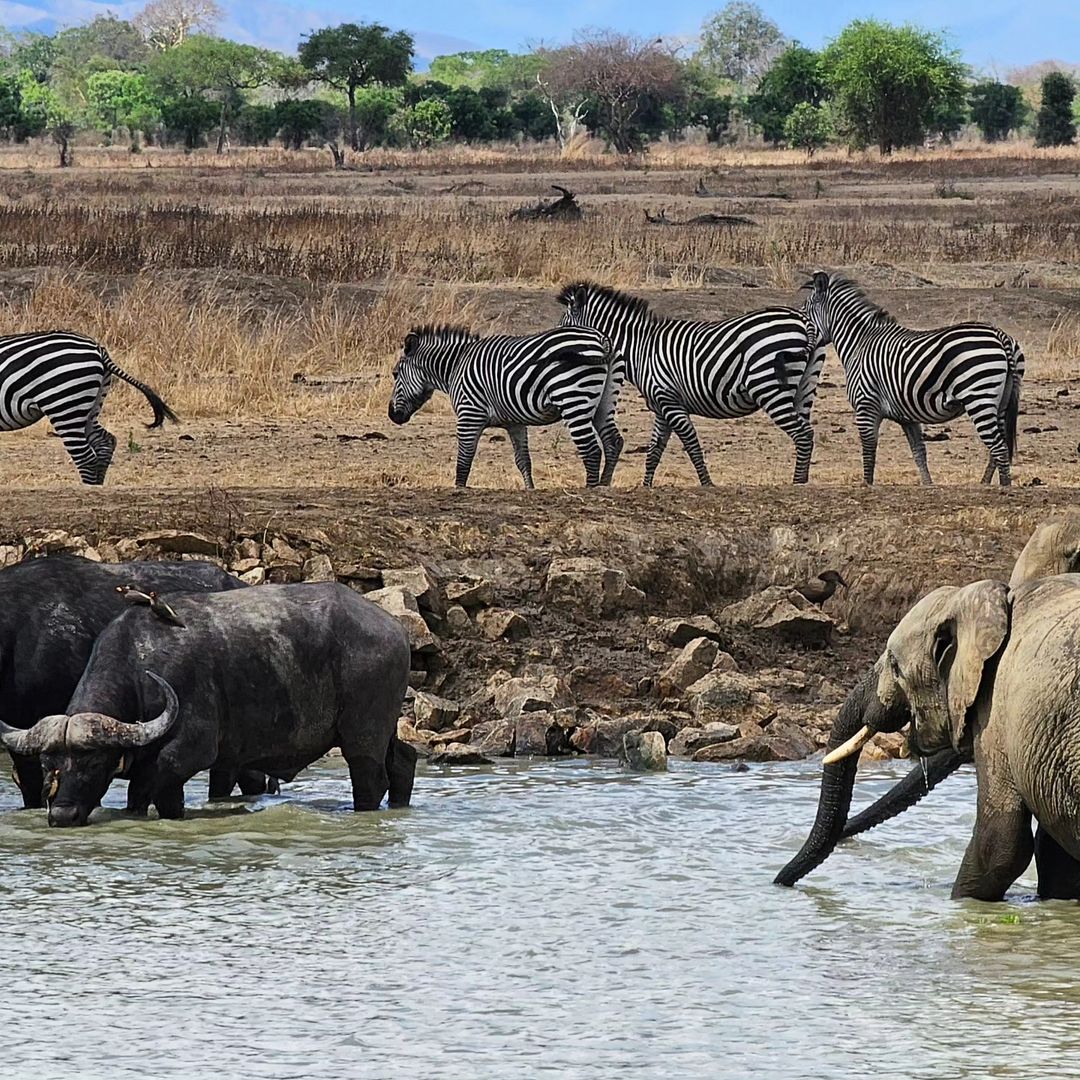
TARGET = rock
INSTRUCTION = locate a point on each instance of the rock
(247, 550)
(729, 697)
(10, 554)
(51, 541)
(781, 612)
(436, 713)
(243, 566)
(417, 679)
(691, 739)
(584, 738)
(401, 603)
(501, 623)
(459, 754)
(588, 587)
(282, 553)
(537, 734)
(457, 618)
(407, 733)
(667, 727)
(884, 747)
(511, 697)
(422, 583)
(284, 573)
(178, 541)
(725, 662)
(254, 576)
(645, 751)
(694, 661)
(360, 578)
(319, 568)
(680, 632)
(789, 744)
(607, 739)
(470, 594)
(494, 737)
(460, 734)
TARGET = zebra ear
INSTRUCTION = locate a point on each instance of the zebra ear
(411, 341)
(821, 282)
(579, 295)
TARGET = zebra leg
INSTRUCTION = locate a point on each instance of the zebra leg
(868, 424)
(612, 441)
(783, 413)
(82, 453)
(679, 421)
(469, 430)
(989, 428)
(588, 446)
(914, 435)
(657, 445)
(104, 444)
(519, 438)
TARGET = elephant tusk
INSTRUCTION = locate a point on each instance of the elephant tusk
(852, 746)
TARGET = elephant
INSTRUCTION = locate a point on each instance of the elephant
(1053, 549)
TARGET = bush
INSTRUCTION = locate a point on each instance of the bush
(808, 128)
(997, 108)
(429, 122)
(1054, 125)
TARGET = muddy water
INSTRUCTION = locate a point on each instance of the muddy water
(529, 920)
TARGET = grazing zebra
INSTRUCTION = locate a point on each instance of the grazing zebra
(918, 377)
(516, 383)
(65, 377)
(761, 360)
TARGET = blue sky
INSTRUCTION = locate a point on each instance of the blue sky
(992, 34)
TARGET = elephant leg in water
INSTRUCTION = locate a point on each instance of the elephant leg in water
(1059, 872)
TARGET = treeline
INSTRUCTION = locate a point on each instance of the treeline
(164, 78)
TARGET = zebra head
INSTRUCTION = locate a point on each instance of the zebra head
(413, 377)
(617, 314)
(817, 310)
(576, 304)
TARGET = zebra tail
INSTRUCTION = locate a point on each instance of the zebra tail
(1012, 402)
(162, 412)
(612, 361)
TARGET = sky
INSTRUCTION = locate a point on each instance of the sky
(992, 35)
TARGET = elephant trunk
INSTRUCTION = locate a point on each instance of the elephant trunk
(919, 782)
(837, 781)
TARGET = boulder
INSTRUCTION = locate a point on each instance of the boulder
(255, 576)
(407, 733)
(422, 583)
(434, 712)
(539, 734)
(460, 734)
(242, 566)
(10, 554)
(729, 697)
(319, 568)
(457, 618)
(680, 632)
(691, 739)
(246, 550)
(459, 754)
(494, 737)
(780, 612)
(785, 744)
(588, 587)
(511, 697)
(694, 661)
(500, 623)
(179, 541)
(607, 735)
(884, 747)
(281, 553)
(401, 603)
(470, 594)
(644, 751)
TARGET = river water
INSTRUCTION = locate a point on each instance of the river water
(546, 919)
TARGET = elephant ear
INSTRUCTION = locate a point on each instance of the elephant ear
(974, 630)
(1054, 548)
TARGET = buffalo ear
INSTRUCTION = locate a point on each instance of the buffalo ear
(976, 627)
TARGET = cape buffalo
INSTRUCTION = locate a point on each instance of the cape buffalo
(51, 612)
(268, 678)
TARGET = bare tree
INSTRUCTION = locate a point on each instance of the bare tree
(615, 77)
(168, 23)
(740, 42)
(569, 104)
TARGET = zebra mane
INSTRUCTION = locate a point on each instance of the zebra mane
(445, 332)
(865, 305)
(630, 304)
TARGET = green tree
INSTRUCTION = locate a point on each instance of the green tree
(121, 99)
(375, 107)
(191, 117)
(44, 110)
(488, 67)
(793, 79)
(350, 56)
(256, 125)
(807, 127)
(1054, 124)
(429, 122)
(892, 84)
(11, 114)
(301, 119)
(739, 42)
(997, 108)
(532, 117)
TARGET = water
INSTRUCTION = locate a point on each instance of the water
(552, 919)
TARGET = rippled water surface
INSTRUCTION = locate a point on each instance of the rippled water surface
(552, 919)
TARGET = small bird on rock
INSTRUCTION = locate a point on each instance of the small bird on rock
(822, 587)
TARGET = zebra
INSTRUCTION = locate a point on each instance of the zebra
(516, 383)
(65, 376)
(918, 377)
(760, 360)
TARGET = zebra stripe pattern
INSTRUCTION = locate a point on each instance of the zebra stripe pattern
(761, 360)
(517, 383)
(65, 378)
(917, 377)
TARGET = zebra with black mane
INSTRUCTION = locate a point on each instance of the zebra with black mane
(760, 360)
(917, 377)
(516, 383)
(65, 377)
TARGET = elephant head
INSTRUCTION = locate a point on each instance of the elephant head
(930, 674)
(1054, 548)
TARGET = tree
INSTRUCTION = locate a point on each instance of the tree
(44, 110)
(794, 78)
(105, 41)
(807, 127)
(121, 99)
(167, 24)
(617, 79)
(256, 125)
(429, 122)
(298, 120)
(532, 118)
(489, 67)
(892, 84)
(1054, 124)
(191, 117)
(997, 108)
(375, 105)
(351, 56)
(739, 42)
